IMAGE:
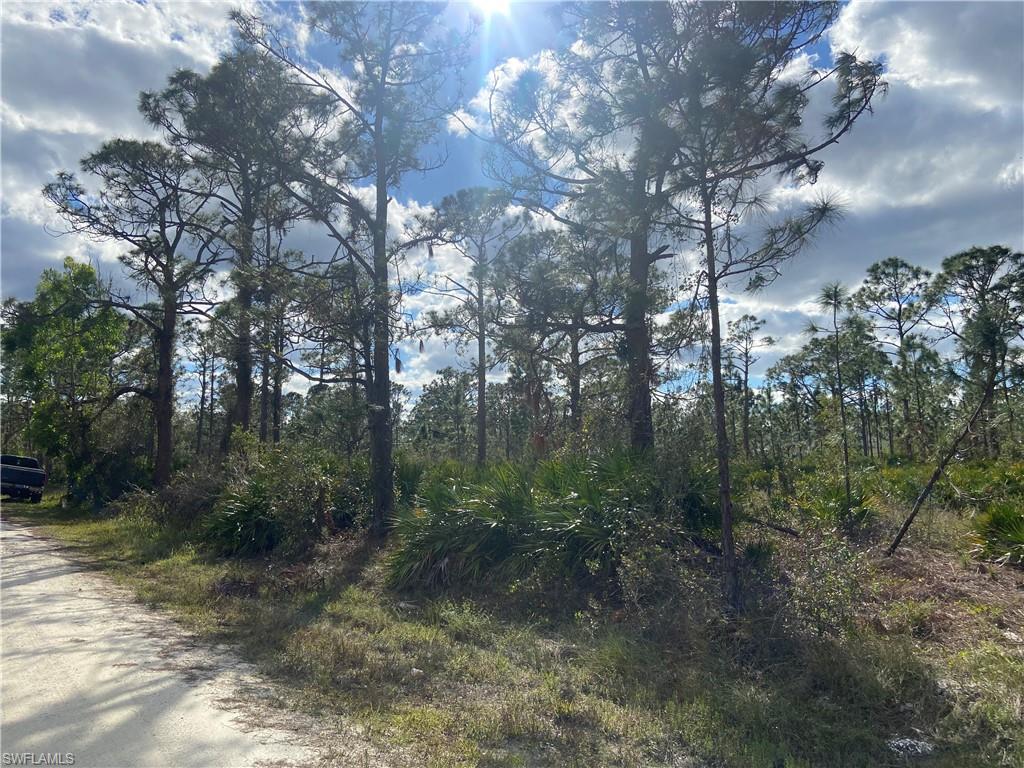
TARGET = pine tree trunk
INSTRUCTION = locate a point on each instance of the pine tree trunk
(862, 408)
(379, 421)
(877, 422)
(278, 377)
(213, 405)
(923, 433)
(842, 410)
(481, 378)
(575, 404)
(353, 395)
(203, 383)
(908, 433)
(746, 410)
(164, 402)
(265, 391)
(638, 345)
(638, 342)
(241, 411)
(731, 573)
(888, 424)
(1011, 418)
(508, 433)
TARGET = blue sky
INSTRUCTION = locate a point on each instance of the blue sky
(938, 168)
(521, 32)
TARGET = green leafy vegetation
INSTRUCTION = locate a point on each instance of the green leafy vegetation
(999, 532)
(569, 517)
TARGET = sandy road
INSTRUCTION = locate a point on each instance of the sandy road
(85, 671)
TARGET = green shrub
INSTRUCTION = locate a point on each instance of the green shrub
(962, 488)
(968, 486)
(139, 502)
(821, 582)
(105, 476)
(459, 532)
(761, 480)
(191, 494)
(758, 554)
(899, 484)
(409, 473)
(912, 617)
(571, 518)
(987, 718)
(999, 533)
(823, 495)
(589, 507)
(278, 499)
(242, 522)
(142, 522)
(691, 496)
(351, 499)
(450, 470)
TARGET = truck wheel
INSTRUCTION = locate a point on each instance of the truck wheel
(36, 498)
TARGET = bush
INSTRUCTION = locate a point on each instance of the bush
(139, 502)
(999, 533)
(191, 494)
(141, 518)
(449, 470)
(823, 495)
(243, 522)
(589, 508)
(822, 583)
(988, 717)
(278, 499)
(900, 485)
(572, 518)
(409, 472)
(665, 589)
(691, 496)
(351, 497)
(105, 477)
(974, 485)
(459, 532)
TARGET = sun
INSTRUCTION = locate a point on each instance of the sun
(489, 8)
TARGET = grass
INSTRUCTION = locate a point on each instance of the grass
(525, 677)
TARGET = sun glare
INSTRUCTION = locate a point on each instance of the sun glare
(490, 8)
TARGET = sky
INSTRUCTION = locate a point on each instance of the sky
(937, 168)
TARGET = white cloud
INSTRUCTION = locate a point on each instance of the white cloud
(972, 50)
(72, 72)
(197, 30)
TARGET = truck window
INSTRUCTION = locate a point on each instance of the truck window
(19, 461)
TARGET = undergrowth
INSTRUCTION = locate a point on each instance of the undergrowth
(521, 659)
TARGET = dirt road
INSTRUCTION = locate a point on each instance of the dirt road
(87, 672)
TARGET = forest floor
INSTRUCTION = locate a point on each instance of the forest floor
(930, 674)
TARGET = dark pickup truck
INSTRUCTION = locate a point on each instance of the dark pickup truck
(21, 478)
